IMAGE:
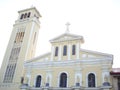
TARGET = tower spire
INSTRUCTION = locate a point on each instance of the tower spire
(67, 27)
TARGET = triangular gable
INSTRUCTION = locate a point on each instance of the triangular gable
(93, 54)
(41, 58)
(67, 36)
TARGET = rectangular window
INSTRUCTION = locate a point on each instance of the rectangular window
(19, 37)
(65, 50)
(22, 16)
(29, 14)
(10, 70)
(14, 54)
(73, 49)
(56, 51)
(9, 74)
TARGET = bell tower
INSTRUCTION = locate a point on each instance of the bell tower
(21, 47)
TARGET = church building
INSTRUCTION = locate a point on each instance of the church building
(66, 67)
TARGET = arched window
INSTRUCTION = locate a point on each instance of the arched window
(22, 16)
(56, 51)
(63, 80)
(25, 15)
(38, 81)
(65, 50)
(29, 14)
(91, 80)
(73, 49)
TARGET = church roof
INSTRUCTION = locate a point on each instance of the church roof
(115, 71)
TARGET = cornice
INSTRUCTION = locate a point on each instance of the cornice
(75, 37)
(25, 21)
(105, 61)
(36, 58)
(30, 9)
(96, 52)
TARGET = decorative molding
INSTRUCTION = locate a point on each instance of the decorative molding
(97, 53)
(37, 58)
(68, 63)
(64, 37)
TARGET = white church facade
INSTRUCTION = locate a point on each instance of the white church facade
(66, 67)
(69, 66)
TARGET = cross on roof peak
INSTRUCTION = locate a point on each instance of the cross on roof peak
(67, 27)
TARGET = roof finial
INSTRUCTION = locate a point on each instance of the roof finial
(67, 27)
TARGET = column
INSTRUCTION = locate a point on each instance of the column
(69, 51)
(59, 53)
(77, 51)
(52, 53)
(115, 83)
(28, 76)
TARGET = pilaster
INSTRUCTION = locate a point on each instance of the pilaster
(60, 49)
(52, 52)
(78, 77)
(69, 51)
(77, 51)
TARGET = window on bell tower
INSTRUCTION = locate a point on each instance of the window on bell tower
(19, 37)
(65, 50)
(25, 15)
(29, 14)
(22, 16)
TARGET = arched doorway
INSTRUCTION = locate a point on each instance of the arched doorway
(63, 80)
(38, 81)
(91, 80)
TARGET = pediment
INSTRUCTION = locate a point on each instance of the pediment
(41, 58)
(67, 36)
(93, 54)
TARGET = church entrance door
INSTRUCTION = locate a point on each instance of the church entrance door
(63, 80)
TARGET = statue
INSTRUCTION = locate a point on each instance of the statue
(48, 80)
(78, 81)
(105, 78)
(106, 83)
(22, 80)
(26, 80)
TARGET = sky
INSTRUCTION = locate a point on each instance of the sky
(98, 21)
